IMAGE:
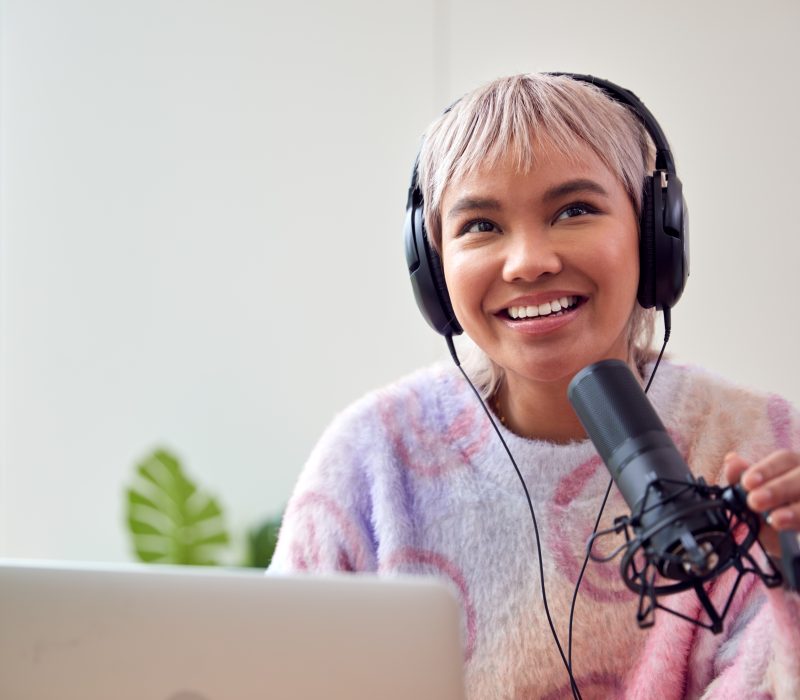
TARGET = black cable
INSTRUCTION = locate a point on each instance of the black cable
(667, 331)
(580, 575)
(574, 686)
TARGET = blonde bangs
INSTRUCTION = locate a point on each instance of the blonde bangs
(513, 117)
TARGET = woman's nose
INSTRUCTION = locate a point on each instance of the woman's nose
(530, 255)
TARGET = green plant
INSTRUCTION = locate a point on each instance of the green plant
(172, 521)
(261, 541)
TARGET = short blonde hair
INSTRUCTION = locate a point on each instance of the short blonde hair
(512, 115)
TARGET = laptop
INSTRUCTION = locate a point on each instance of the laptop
(137, 632)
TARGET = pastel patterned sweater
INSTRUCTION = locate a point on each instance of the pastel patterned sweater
(412, 479)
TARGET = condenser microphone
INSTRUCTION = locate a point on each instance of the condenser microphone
(645, 464)
(682, 527)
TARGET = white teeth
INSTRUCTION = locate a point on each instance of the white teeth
(551, 307)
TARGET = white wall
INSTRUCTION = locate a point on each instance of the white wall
(202, 207)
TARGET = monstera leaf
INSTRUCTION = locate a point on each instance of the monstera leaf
(171, 521)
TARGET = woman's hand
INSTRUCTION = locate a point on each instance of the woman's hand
(773, 486)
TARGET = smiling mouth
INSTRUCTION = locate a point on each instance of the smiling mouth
(555, 307)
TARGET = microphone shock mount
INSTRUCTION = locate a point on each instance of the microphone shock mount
(663, 556)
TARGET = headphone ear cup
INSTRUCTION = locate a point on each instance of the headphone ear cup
(647, 248)
(437, 273)
(426, 271)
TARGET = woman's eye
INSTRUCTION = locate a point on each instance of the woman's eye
(480, 226)
(574, 210)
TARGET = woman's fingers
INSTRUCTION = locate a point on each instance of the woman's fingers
(774, 485)
(733, 467)
(770, 467)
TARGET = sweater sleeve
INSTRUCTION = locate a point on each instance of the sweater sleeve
(757, 656)
(760, 658)
(327, 526)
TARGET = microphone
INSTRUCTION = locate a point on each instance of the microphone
(683, 529)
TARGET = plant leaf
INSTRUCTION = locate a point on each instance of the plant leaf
(170, 520)
(261, 543)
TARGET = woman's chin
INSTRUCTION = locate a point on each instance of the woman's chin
(553, 372)
(559, 369)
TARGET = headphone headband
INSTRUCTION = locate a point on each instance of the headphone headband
(664, 159)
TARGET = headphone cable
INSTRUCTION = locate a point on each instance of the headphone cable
(568, 666)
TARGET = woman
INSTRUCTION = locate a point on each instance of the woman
(533, 189)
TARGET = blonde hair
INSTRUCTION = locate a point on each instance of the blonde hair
(510, 116)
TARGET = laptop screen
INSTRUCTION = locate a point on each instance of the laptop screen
(174, 633)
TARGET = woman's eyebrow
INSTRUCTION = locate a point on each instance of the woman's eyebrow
(563, 189)
(472, 204)
(573, 186)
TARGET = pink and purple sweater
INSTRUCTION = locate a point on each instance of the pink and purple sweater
(413, 480)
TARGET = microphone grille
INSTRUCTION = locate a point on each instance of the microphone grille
(611, 405)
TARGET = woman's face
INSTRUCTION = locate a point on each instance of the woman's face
(542, 266)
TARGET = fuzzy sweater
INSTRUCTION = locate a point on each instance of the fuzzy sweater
(412, 479)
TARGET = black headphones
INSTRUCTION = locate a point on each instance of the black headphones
(663, 230)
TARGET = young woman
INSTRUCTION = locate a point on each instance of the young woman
(532, 189)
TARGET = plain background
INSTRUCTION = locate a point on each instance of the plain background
(202, 205)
